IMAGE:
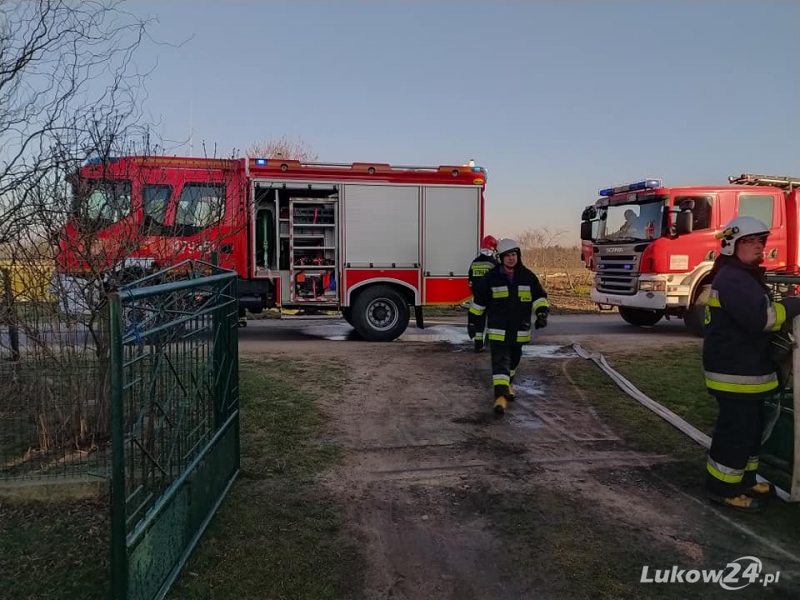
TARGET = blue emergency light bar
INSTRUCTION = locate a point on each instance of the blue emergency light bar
(261, 162)
(645, 184)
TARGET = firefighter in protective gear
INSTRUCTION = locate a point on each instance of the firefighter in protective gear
(504, 300)
(480, 266)
(740, 322)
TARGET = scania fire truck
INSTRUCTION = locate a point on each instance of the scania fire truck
(368, 239)
(654, 245)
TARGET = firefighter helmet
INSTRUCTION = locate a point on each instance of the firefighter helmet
(738, 228)
(507, 245)
(488, 243)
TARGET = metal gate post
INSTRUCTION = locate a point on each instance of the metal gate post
(794, 492)
(219, 351)
(119, 546)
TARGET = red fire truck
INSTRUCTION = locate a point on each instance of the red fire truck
(368, 239)
(655, 245)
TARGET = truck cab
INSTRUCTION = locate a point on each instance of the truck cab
(656, 245)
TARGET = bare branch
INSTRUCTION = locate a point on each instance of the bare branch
(64, 66)
(282, 147)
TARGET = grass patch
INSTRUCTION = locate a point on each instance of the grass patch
(54, 549)
(567, 549)
(673, 377)
(278, 535)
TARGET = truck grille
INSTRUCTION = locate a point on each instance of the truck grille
(618, 274)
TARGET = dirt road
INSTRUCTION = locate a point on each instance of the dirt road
(449, 502)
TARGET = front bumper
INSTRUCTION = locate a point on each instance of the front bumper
(646, 300)
(651, 295)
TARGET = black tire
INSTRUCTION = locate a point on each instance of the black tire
(639, 317)
(694, 318)
(380, 314)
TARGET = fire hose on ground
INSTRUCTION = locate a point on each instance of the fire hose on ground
(689, 430)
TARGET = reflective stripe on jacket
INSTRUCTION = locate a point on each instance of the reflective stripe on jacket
(739, 321)
(507, 304)
(479, 267)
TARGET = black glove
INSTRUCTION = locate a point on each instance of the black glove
(471, 330)
(478, 345)
(541, 319)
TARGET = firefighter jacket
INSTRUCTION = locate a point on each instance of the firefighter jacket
(479, 267)
(507, 303)
(740, 318)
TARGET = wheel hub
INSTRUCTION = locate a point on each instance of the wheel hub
(382, 314)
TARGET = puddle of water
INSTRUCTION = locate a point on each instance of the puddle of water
(437, 333)
(455, 335)
(548, 351)
(330, 331)
(529, 388)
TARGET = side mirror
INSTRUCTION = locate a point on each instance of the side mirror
(684, 222)
(687, 205)
(589, 213)
(586, 231)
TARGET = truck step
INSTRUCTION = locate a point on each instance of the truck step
(311, 317)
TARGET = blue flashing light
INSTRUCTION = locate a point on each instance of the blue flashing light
(261, 162)
(645, 184)
(481, 170)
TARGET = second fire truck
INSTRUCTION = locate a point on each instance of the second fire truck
(654, 245)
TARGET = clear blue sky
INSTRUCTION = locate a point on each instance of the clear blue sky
(555, 99)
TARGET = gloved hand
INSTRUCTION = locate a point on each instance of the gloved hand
(541, 319)
(471, 331)
(478, 345)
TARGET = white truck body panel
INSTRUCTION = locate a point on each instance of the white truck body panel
(452, 221)
(381, 225)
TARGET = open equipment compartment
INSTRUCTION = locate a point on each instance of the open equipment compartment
(313, 251)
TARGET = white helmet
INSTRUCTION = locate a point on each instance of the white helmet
(506, 245)
(737, 229)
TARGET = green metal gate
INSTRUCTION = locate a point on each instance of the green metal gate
(782, 448)
(175, 420)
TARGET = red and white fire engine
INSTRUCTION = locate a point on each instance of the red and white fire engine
(654, 246)
(368, 239)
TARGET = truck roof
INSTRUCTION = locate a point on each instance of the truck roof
(280, 168)
(744, 182)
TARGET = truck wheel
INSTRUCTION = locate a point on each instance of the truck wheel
(639, 317)
(380, 314)
(694, 318)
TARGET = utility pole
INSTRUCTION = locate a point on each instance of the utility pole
(191, 130)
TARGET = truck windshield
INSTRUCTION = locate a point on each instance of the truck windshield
(634, 222)
(99, 203)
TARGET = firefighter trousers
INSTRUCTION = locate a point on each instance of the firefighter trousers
(733, 457)
(505, 360)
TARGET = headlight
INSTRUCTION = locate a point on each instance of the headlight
(652, 286)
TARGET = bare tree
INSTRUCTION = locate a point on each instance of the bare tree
(68, 93)
(65, 73)
(537, 245)
(282, 147)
